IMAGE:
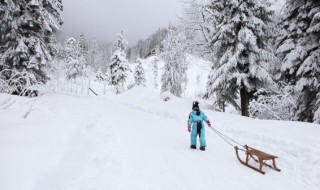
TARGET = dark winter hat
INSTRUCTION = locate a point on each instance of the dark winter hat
(195, 104)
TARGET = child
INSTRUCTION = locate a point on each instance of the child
(195, 123)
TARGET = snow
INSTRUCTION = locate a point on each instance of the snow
(197, 73)
(277, 5)
(136, 140)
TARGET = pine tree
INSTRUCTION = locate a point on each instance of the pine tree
(27, 39)
(139, 74)
(299, 51)
(239, 39)
(119, 66)
(174, 78)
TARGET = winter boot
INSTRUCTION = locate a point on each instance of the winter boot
(202, 148)
(193, 147)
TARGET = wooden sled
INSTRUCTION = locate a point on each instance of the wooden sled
(258, 156)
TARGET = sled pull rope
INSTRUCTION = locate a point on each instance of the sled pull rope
(224, 137)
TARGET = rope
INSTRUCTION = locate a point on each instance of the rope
(224, 137)
(227, 137)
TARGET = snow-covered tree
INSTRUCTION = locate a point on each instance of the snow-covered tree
(197, 21)
(278, 105)
(105, 55)
(100, 76)
(226, 93)
(174, 78)
(119, 66)
(93, 54)
(75, 62)
(239, 39)
(299, 51)
(83, 45)
(155, 70)
(139, 74)
(121, 44)
(145, 48)
(27, 39)
(155, 67)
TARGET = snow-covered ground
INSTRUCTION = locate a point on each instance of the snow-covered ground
(138, 141)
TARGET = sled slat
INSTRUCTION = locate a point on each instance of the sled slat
(258, 156)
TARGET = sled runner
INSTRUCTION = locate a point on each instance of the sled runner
(258, 156)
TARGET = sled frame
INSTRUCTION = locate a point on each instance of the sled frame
(258, 156)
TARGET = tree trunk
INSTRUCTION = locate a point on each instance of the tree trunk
(222, 106)
(244, 96)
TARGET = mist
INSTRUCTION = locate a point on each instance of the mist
(103, 19)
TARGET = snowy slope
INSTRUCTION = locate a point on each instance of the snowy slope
(197, 74)
(137, 141)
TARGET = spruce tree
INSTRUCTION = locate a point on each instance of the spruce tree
(27, 39)
(139, 74)
(299, 51)
(239, 40)
(119, 66)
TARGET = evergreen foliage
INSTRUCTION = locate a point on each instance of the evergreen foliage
(93, 54)
(27, 39)
(118, 69)
(75, 61)
(139, 74)
(145, 47)
(298, 48)
(239, 40)
(83, 45)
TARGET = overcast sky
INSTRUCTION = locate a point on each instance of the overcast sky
(105, 18)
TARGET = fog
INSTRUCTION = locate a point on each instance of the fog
(103, 19)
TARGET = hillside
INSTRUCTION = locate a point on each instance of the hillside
(137, 141)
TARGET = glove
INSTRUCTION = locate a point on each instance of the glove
(208, 123)
(189, 128)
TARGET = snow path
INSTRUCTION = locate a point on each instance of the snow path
(137, 141)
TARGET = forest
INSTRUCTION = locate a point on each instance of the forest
(264, 61)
